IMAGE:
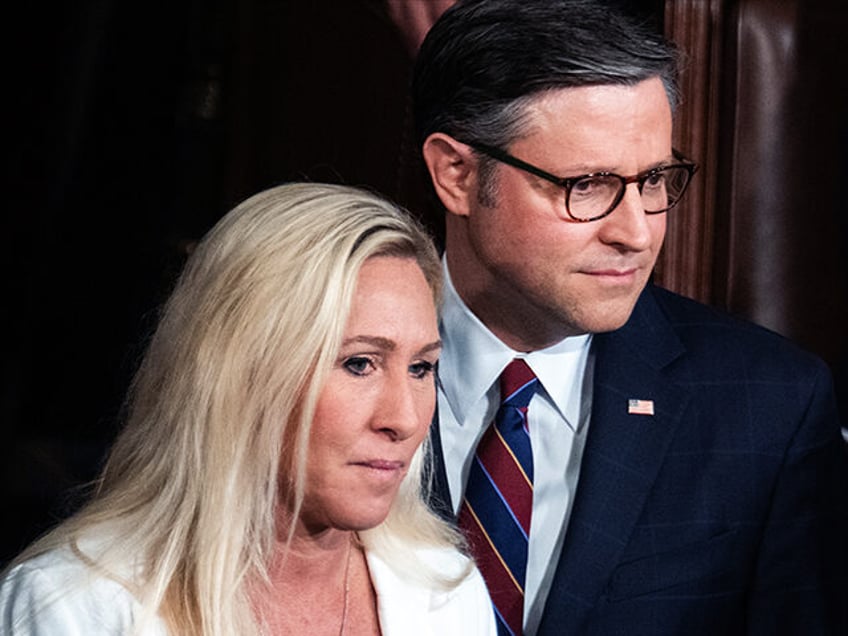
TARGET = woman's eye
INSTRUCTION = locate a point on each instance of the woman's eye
(358, 365)
(421, 369)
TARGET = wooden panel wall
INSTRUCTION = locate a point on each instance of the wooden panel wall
(764, 231)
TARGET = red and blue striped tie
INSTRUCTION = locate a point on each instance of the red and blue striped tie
(495, 514)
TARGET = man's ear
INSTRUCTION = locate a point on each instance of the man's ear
(453, 170)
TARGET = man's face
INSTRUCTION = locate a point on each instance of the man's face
(534, 277)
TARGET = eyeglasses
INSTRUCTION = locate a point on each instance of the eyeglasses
(593, 196)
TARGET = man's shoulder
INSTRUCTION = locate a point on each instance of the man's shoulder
(684, 311)
(709, 333)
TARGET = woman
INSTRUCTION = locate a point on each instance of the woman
(268, 478)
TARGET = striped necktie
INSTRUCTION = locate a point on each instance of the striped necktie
(495, 514)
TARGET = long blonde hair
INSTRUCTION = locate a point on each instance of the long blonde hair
(222, 405)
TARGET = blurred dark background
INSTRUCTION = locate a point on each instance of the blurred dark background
(132, 129)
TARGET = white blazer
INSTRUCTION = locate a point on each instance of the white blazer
(407, 608)
(56, 593)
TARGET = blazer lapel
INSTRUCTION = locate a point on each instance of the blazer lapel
(402, 607)
(623, 454)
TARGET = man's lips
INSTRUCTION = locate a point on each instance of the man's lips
(612, 272)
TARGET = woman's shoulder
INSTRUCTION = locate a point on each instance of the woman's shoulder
(408, 604)
(447, 559)
(58, 592)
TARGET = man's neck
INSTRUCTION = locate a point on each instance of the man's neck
(517, 330)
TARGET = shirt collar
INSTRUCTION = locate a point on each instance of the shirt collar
(473, 357)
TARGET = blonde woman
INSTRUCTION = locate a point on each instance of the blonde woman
(268, 479)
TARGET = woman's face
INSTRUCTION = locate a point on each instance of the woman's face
(377, 404)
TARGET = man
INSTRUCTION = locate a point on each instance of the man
(684, 473)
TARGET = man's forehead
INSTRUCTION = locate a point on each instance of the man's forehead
(591, 99)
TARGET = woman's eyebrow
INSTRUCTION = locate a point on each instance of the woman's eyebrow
(433, 346)
(387, 344)
(379, 342)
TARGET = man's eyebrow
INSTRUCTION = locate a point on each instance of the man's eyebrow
(662, 163)
(670, 160)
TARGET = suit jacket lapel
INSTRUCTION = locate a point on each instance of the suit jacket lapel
(622, 456)
(435, 474)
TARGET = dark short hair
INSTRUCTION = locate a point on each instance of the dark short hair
(484, 60)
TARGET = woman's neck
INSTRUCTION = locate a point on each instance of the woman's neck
(319, 584)
(311, 556)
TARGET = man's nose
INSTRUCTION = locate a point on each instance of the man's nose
(627, 225)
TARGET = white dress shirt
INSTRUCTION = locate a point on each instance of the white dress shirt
(472, 359)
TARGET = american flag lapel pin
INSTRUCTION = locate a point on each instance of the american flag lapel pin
(640, 407)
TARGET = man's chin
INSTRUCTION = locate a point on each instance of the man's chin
(605, 319)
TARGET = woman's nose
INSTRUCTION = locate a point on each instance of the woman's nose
(405, 407)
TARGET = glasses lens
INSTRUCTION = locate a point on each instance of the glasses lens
(662, 189)
(591, 197)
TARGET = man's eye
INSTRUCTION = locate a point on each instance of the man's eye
(421, 369)
(586, 186)
(358, 365)
(597, 187)
(656, 180)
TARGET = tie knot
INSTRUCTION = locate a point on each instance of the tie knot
(517, 383)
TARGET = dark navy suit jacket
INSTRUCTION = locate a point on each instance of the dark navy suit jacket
(724, 512)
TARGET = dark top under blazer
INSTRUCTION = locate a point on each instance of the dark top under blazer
(725, 511)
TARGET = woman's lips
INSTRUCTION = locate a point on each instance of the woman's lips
(381, 464)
